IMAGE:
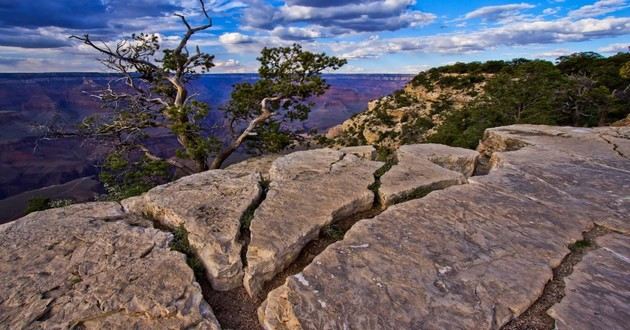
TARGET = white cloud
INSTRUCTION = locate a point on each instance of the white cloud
(615, 48)
(342, 17)
(498, 12)
(235, 38)
(553, 54)
(515, 34)
(599, 8)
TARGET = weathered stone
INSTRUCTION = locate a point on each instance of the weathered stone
(470, 256)
(598, 290)
(423, 168)
(365, 152)
(210, 206)
(260, 164)
(309, 190)
(86, 266)
(455, 159)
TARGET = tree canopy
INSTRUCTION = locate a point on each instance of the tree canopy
(151, 93)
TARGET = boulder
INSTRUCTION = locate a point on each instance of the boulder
(309, 190)
(92, 266)
(598, 290)
(210, 206)
(471, 256)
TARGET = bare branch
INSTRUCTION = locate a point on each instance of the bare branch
(115, 54)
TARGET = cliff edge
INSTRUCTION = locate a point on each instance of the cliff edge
(529, 231)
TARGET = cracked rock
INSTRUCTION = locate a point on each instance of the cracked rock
(598, 290)
(472, 256)
(423, 168)
(309, 190)
(92, 266)
(210, 206)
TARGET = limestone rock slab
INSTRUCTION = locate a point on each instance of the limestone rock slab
(423, 168)
(366, 152)
(598, 290)
(470, 256)
(260, 164)
(92, 266)
(210, 206)
(309, 190)
(455, 159)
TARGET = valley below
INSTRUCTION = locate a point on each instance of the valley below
(30, 103)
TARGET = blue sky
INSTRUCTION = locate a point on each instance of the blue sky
(392, 36)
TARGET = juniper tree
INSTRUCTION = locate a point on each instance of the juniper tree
(152, 92)
(259, 114)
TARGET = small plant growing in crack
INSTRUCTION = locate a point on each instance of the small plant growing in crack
(376, 185)
(580, 245)
(333, 232)
(181, 244)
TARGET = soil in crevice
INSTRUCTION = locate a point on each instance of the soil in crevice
(535, 317)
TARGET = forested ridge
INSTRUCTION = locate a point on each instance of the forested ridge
(454, 104)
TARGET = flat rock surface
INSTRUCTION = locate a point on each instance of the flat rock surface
(92, 266)
(366, 152)
(308, 191)
(423, 168)
(210, 206)
(455, 159)
(260, 164)
(471, 256)
(598, 290)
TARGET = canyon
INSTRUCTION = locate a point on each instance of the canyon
(30, 103)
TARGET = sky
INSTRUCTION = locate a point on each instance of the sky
(375, 36)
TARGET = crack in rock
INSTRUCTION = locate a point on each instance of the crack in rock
(615, 146)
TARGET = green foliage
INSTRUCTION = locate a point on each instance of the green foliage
(389, 157)
(580, 245)
(124, 177)
(581, 90)
(42, 203)
(624, 72)
(333, 232)
(270, 137)
(288, 78)
(38, 204)
(181, 244)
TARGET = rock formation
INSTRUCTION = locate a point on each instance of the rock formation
(471, 256)
(92, 266)
(209, 206)
(308, 191)
(597, 289)
(424, 168)
(451, 246)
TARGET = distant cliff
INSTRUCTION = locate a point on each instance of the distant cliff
(455, 104)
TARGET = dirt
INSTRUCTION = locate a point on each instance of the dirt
(234, 309)
(535, 317)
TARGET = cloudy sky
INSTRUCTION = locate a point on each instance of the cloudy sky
(390, 36)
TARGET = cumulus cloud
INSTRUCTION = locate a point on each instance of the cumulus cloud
(515, 34)
(342, 16)
(495, 13)
(553, 54)
(615, 48)
(232, 38)
(599, 8)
